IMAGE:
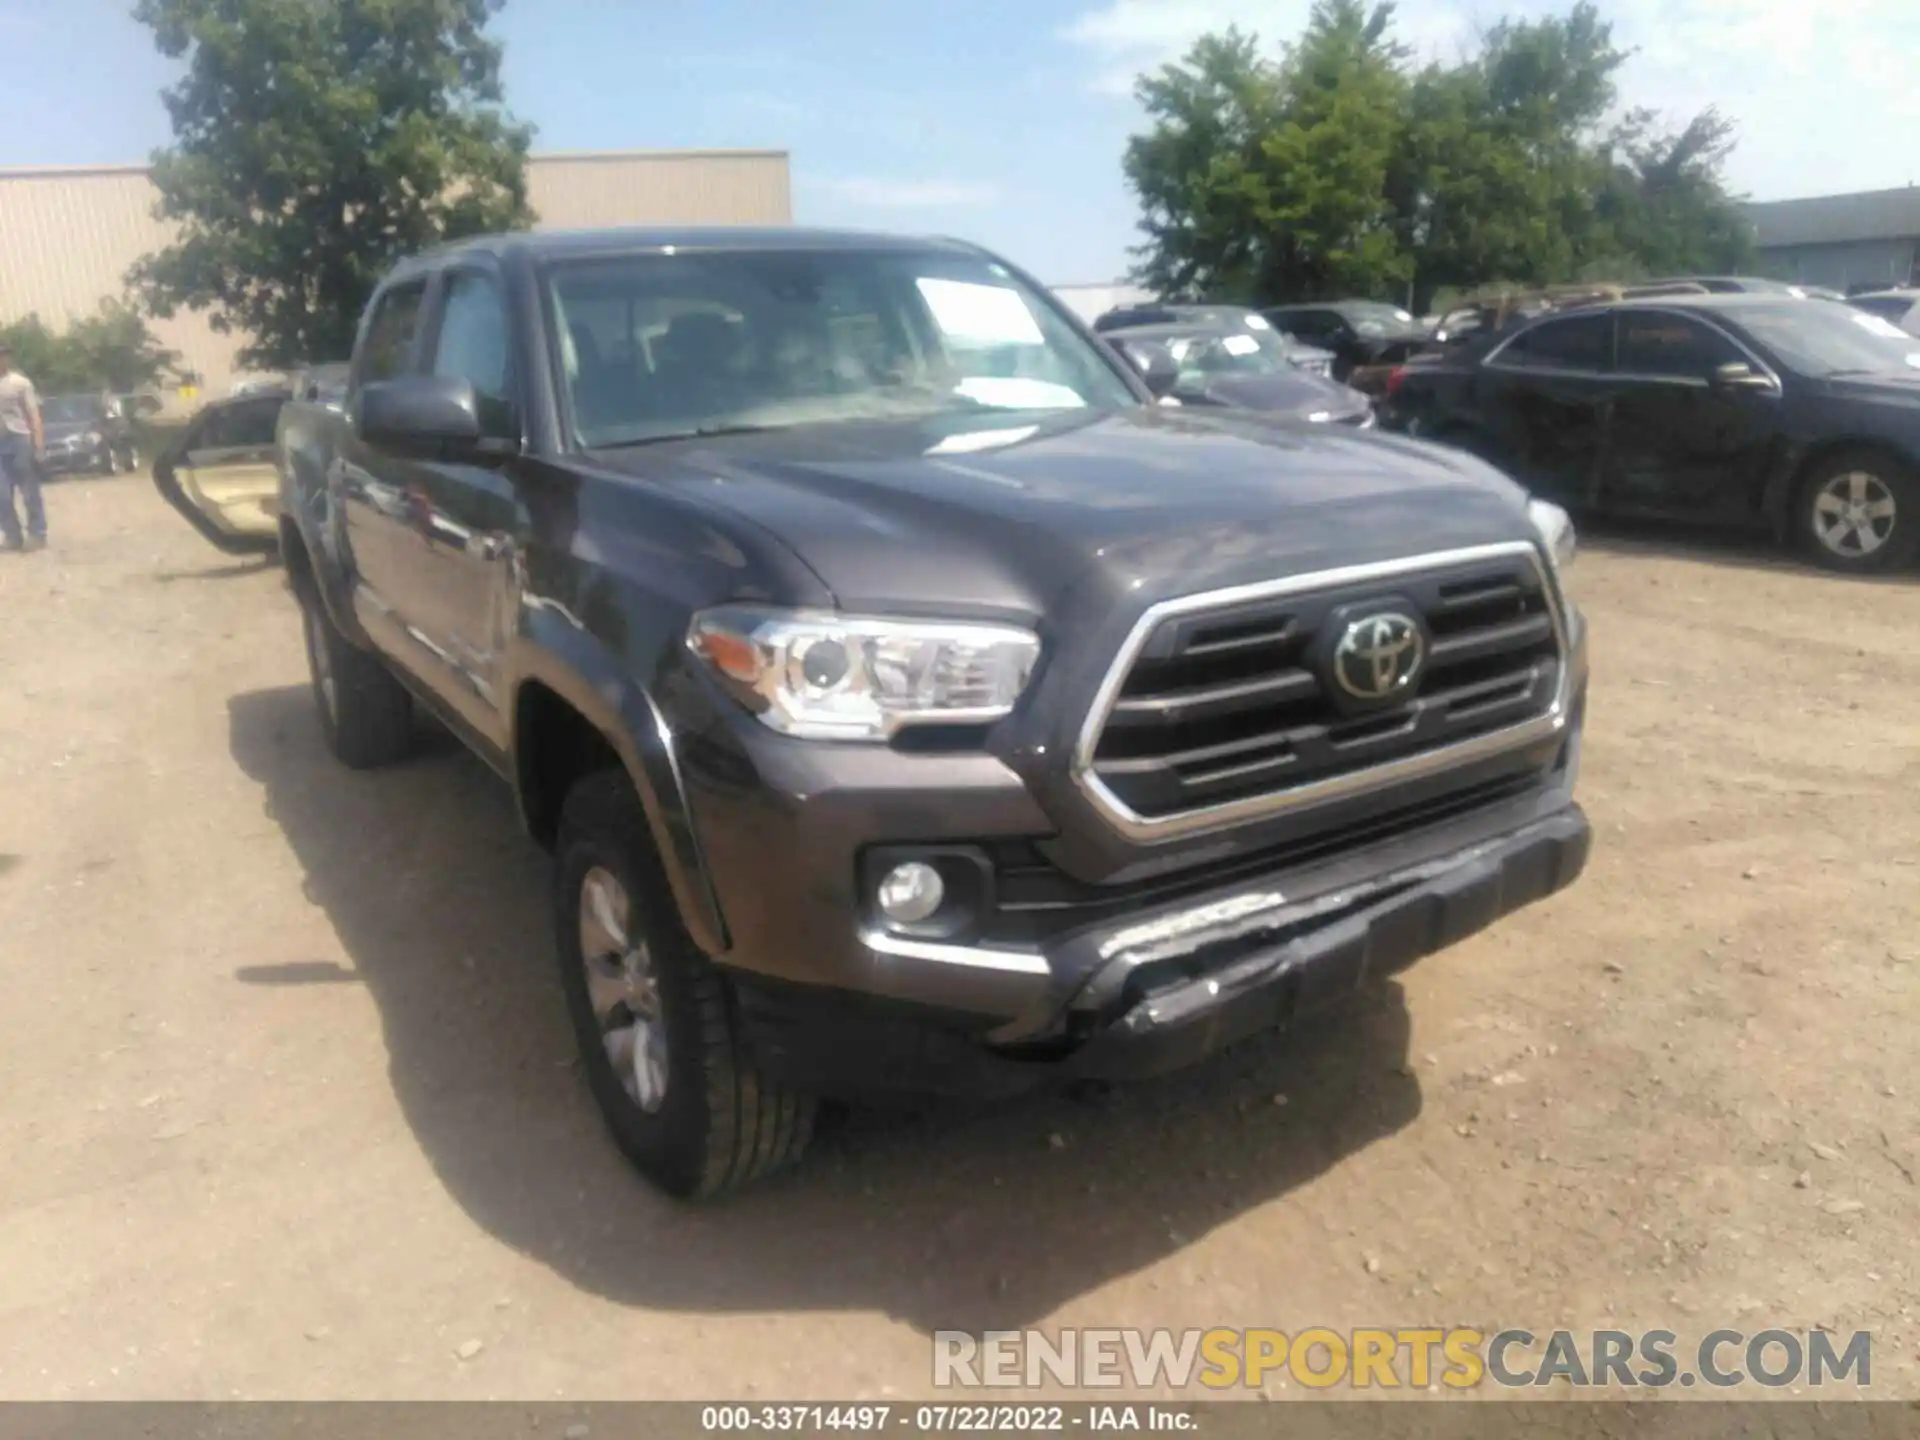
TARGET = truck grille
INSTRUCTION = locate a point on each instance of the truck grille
(1228, 703)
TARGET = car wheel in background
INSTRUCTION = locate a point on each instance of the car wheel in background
(365, 714)
(1859, 512)
(657, 1026)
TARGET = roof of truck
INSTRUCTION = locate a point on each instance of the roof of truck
(618, 239)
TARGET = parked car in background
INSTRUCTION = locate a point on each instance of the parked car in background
(1899, 307)
(1230, 317)
(220, 473)
(87, 434)
(1218, 365)
(1360, 333)
(1747, 409)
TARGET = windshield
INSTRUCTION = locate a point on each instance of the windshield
(1240, 354)
(70, 409)
(1380, 319)
(1832, 339)
(662, 346)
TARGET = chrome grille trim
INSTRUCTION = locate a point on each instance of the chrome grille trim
(1149, 830)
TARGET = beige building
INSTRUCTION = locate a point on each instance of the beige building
(69, 234)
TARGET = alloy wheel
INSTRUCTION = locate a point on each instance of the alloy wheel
(624, 989)
(1853, 514)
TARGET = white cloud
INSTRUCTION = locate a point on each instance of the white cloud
(1825, 95)
(885, 194)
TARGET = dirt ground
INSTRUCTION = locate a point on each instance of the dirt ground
(288, 1108)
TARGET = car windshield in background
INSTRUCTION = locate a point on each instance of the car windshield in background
(1380, 319)
(70, 409)
(656, 347)
(1832, 339)
(1239, 353)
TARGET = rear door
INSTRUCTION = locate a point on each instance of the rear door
(226, 474)
(1678, 443)
(1544, 398)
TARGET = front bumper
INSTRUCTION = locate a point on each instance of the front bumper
(1159, 988)
(59, 460)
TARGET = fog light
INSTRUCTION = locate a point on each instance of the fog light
(910, 894)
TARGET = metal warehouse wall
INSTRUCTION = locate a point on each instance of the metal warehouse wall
(67, 236)
(1857, 262)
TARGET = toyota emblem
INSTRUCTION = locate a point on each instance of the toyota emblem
(1379, 655)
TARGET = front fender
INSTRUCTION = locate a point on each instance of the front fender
(555, 650)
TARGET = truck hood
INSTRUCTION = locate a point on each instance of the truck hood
(1001, 515)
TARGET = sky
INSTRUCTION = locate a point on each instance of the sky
(1004, 121)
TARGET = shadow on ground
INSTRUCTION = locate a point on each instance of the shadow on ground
(951, 1217)
(234, 571)
(1740, 549)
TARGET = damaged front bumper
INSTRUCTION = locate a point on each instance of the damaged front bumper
(1159, 991)
(1257, 973)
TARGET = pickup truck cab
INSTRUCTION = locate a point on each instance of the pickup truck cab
(908, 701)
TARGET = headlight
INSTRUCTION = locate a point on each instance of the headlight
(1555, 528)
(844, 677)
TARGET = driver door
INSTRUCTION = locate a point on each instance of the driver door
(223, 480)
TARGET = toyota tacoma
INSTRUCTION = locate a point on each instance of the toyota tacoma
(909, 702)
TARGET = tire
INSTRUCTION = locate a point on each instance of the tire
(365, 714)
(707, 1121)
(1858, 512)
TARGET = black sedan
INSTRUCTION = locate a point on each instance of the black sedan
(87, 434)
(1358, 332)
(1222, 365)
(1758, 410)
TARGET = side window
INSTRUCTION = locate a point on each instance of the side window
(1672, 345)
(249, 424)
(388, 345)
(1309, 325)
(1581, 342)
(472, 345)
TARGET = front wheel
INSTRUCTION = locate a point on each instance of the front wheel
(658, 1032)
(1860, 512)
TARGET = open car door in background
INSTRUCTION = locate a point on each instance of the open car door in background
(221, 475)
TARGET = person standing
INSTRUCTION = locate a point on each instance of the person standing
(22, 443)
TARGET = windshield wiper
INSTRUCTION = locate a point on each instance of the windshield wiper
(698, 432)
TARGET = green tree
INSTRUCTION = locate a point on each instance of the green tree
(1663, 201)
(1337, 170)
(315, 143)
(1259, 178)
(111, 350)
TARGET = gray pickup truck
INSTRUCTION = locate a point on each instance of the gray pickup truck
(910, 702)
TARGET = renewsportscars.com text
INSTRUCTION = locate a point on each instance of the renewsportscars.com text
(1417, 1358)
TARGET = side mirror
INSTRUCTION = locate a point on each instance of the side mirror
(1155, 364)
(430, 414)
(1738, 375)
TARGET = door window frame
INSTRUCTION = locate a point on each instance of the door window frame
(410, 363)
(1494, 360)
(434, 319)
(1695, 382)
